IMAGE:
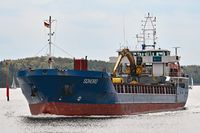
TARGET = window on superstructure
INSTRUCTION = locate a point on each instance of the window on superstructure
(137, 54)
(148, 53)
(134, 54)
(143, 53)
(160, 53)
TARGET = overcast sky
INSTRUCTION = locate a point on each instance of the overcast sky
(95, 27)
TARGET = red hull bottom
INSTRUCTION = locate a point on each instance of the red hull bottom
(101, 109)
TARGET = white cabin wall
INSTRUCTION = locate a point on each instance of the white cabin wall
(158, 69)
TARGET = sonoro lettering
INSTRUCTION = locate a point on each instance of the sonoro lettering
(90, 81)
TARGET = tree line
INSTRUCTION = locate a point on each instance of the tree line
(9, 68)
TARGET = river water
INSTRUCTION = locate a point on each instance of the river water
(16, 118)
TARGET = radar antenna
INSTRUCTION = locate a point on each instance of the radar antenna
(148, 28)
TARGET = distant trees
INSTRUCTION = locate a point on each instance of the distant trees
(66, 63)
(41, 62)
(194, 72)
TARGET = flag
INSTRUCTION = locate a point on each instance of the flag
(46, 24)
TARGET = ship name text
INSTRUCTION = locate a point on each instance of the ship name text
(90, 81)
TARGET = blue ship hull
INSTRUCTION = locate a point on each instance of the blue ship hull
(73, 92)
(49, 86)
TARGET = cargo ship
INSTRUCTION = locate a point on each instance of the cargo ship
(145, 80)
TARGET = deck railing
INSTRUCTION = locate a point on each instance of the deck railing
(145, 89)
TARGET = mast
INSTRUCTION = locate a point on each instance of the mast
(124, 32)
(50, 64)
(48, 24)
(148, 28)
(176, 50)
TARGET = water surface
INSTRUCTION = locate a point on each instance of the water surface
(15, 117)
